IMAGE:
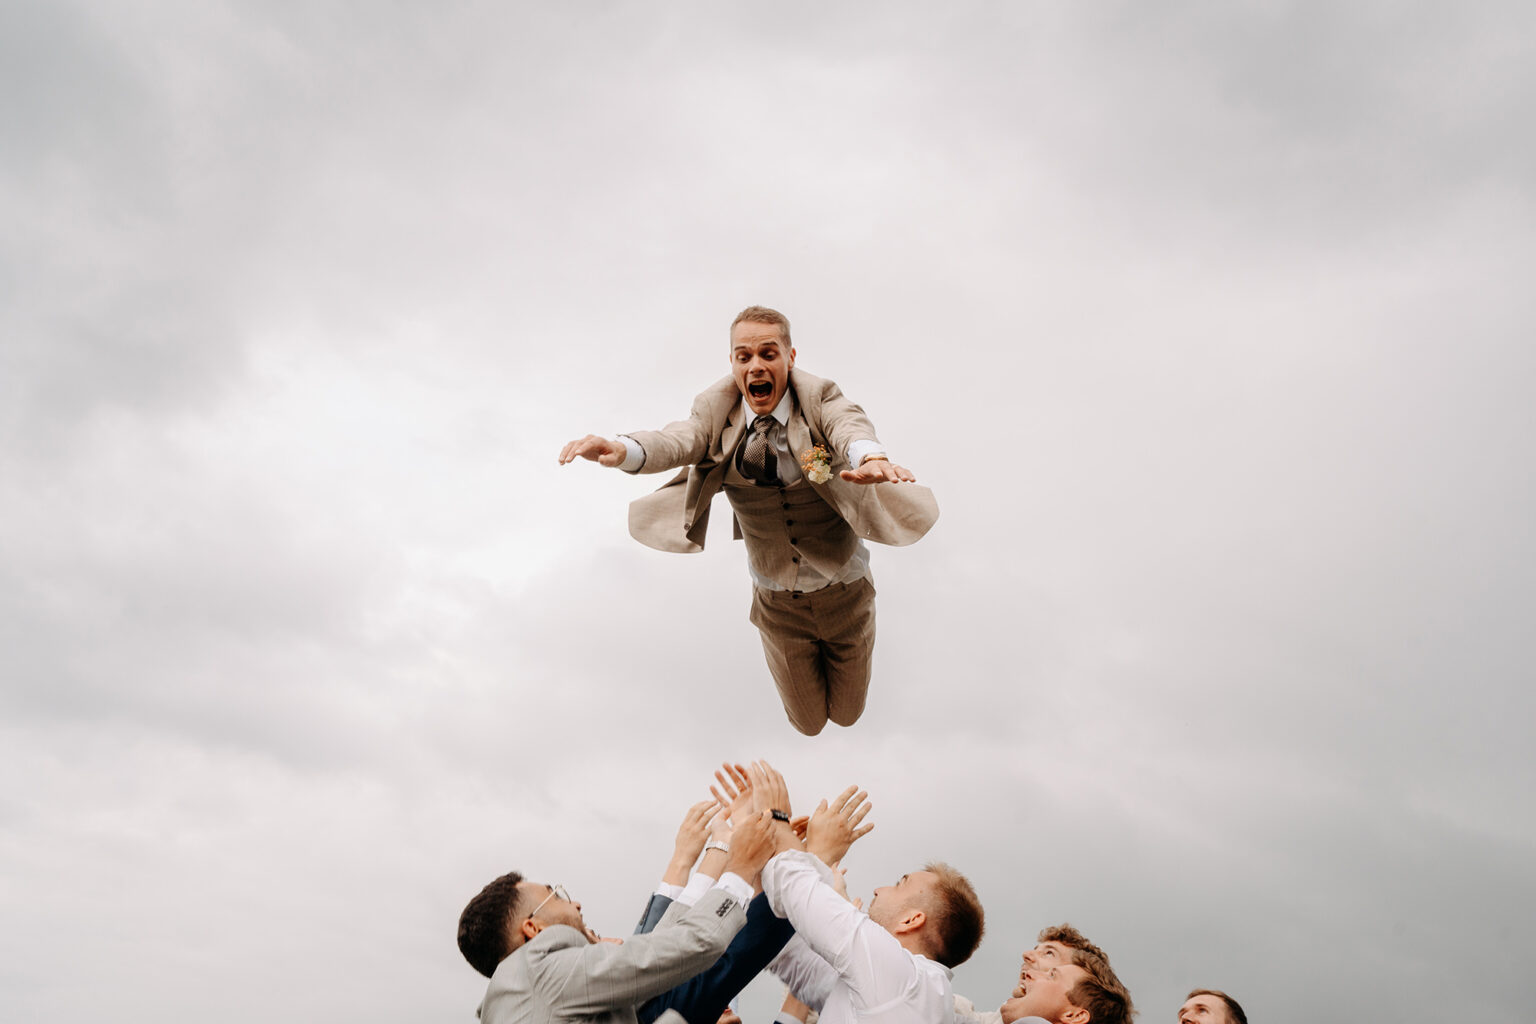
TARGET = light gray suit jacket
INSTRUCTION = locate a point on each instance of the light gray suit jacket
(675, 517)
(559, 976)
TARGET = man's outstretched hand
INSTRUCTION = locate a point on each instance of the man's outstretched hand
(751, 846)
(836, 825)
(876, 471)
(769, 793)
(601, 450)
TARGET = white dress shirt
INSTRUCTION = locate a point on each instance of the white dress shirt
(841, 963)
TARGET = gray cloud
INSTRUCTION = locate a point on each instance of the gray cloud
(1207, 326)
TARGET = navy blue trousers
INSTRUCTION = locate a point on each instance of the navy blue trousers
(702, 998)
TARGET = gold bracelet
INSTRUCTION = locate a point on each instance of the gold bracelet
(874, 458)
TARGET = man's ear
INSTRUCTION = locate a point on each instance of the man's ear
(529, 928)
(791, 357)
(911, 921)
(1075, 1015)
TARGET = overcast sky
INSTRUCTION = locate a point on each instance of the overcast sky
(1210, 325)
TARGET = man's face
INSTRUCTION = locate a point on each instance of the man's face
(760, 362)
(890, 903)
(1042, 992)
(1204, 1009)
(547, 908)
(1046, 954)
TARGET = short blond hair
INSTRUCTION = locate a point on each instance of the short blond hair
(763, 315)
(956, 914)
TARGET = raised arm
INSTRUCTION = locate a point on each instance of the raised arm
(585, 979)
(580, 979)
(692, 834)
(799, 887)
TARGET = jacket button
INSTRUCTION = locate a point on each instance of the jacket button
(786, 504)
(796, 559)
(794, 540)
(789, 522)
(795, 595)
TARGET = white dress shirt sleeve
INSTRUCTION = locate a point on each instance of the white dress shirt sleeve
(859, 450)
(865, 956)
(808, 977)
(698, 884)
(634, 454)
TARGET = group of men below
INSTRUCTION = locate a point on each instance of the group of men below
(750, 888)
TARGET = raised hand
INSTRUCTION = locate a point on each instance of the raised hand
(735, 791)
(876, 471)
(834, 827)
(770, 794)
(769, 790)
(752, 844)
(691, 837)
(601, 450)
(720, 826)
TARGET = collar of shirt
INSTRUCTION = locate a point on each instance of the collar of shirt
(780, 411)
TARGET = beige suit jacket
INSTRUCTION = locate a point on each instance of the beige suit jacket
(675, 517)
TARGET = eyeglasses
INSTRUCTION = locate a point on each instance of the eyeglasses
(555, 892)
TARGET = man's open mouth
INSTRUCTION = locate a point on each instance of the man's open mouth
(760, 388)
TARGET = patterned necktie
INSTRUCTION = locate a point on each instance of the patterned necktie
(758, 461)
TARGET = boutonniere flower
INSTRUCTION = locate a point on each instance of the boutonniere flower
(817, 464)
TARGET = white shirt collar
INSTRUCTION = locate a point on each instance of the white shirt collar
(780, 412)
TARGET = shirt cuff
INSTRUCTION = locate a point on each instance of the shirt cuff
(783, 1017)
(698, 884)
(857, 450)
(670, 891)
(634, 455)
(735, 887)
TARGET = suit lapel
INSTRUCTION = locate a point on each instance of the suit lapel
(799, 432)
(735, 427)
(704, 479)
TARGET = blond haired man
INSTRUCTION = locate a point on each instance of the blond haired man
(892, 965)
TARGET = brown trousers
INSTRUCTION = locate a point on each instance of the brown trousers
(819, 646)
